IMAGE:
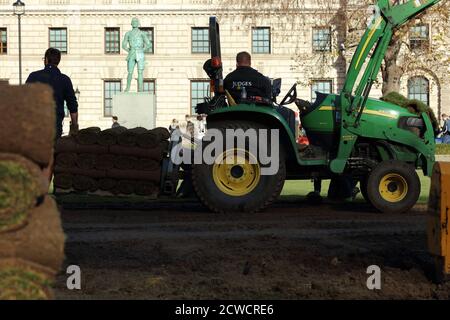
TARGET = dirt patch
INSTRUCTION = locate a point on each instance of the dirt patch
(287, 252)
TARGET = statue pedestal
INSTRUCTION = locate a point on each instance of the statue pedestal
(135, 109)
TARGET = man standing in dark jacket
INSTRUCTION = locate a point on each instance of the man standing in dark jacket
(245, 82)
(62, 89)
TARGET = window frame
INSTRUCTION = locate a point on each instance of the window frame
(312, 92)
(422, 41)
(330, 40)
(270, 40)
(191, 82)
(192, 40)
(152, 39)
(149, 80)
(104, 95)
(3, 48)
(427, 88)
(67, 38)
(105, 41)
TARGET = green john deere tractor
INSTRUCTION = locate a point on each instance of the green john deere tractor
(376, 143)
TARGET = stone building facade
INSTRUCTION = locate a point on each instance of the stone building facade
(91, 33)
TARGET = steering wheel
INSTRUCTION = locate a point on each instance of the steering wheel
(290, 97)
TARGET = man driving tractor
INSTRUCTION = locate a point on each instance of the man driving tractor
(245, 82)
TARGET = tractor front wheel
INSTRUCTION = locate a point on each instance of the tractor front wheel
(393, 187)
(235, 181)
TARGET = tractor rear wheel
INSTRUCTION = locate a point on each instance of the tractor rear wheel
(235, 181)
(393, 187)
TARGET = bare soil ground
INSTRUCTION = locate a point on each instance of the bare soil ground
(291, 251)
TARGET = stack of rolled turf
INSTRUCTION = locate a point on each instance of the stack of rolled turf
(31, 236)
(116, 161)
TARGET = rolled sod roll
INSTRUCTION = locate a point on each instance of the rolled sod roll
(86, 161)
(21, 185)
(145, 188)
(106, 184)
(109, 137)
(148, 140)
(125, 162)
(68, 159)
(151, 176)
(88, 136)
(82, 183)
(41, 241)
(28, 121)
(162, 133)
(155, 153)
(63, 181)
(69, 144)
(129, 138)
(125, 187)
(93, 173)
(146, 164)
(104, 161)
(24, 280)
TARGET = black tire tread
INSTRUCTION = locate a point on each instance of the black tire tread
(278, 187)
(399, 167)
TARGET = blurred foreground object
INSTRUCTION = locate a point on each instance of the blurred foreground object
(438, 215)
(28, 121)
(31, 235)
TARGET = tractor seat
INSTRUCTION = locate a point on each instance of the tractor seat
(256, 100)
(303, 105)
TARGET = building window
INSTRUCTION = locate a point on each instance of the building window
(58, 39)
(111, 87)
(199, 90)
(419, 89)
(3, 41)
(321, 39)
(419, 37)
(200, 40)
(151, 37)
(112, 40)
(149, 86)
(261, 40)
(322, 86)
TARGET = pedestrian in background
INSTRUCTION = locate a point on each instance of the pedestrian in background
(446, 129)
(62, 89)
(190, 128)
(174, 125)
(63, 94)
(115, 121)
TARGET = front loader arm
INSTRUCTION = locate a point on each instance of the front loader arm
(375, 40)
(400, 14)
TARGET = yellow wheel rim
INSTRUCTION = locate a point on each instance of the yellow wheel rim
(236, 172)
(393, 188)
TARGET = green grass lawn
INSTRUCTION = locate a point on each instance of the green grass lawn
(293, 191)
(443, 149)
(298, 189)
